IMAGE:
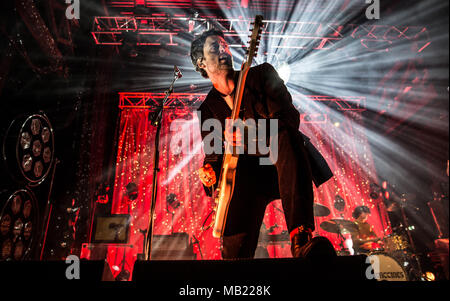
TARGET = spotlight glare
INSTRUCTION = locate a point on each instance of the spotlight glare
(285, 72)
(429, 276)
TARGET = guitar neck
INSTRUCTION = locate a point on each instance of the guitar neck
(251, 53)
(239, 92)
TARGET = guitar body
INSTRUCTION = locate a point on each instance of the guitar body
(225, 189)
(225, 193)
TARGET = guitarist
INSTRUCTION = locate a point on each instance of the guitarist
(289, 178)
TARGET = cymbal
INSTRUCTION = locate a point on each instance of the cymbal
(339, 226)
(321, 210)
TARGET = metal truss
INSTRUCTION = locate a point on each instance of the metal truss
(145, 100)
(162, 30)
(182, 104)
(319, 5)
(132, 100)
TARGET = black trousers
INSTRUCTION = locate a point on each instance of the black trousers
(256, 186)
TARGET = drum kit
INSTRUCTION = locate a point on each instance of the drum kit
(393, 255)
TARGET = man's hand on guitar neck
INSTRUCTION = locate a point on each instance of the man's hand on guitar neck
(207, 175)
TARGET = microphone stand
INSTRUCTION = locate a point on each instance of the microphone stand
(156, 121)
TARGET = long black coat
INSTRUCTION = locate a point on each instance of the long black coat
(265, 97)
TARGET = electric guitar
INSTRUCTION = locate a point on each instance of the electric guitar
(225, 186)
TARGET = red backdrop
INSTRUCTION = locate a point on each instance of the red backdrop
(344, 146)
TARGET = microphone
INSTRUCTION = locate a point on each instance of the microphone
(177, 72)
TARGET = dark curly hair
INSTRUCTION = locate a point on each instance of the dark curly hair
(360, 209)
(197, 48)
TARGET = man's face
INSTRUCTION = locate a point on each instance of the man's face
(217, 56)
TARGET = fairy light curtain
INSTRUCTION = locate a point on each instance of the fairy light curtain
(345, 148)
(344, 144)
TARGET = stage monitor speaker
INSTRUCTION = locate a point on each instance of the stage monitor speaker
(343, 268)
(92, 271)
(172, 247)
(111, 228)
(99, 251)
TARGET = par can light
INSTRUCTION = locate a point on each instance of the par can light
(28, 149)
(19, 215)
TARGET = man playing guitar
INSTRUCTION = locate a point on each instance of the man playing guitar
(289, 178)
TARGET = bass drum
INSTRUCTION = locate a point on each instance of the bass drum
(386, 268)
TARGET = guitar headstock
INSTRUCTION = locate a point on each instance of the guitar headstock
(255, 38)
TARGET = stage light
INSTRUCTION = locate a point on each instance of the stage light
(17, 218)
(47, 155)
(18, 226)
(37, 147)
(173, 201)
(28, 228)
(339, 203)
(27, 207)
(284, 70)
(337, 124)
(5, 224)
(18, 250)
(25, 140)
(35, 126)
(38, 169)
(132, 191)
(6, 249)
(429, 276)
(28, 149)
(27, 163)
(45, 135)
(16, 204)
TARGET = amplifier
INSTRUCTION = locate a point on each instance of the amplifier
(172, 247)
(98, 251)
(173, 242)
